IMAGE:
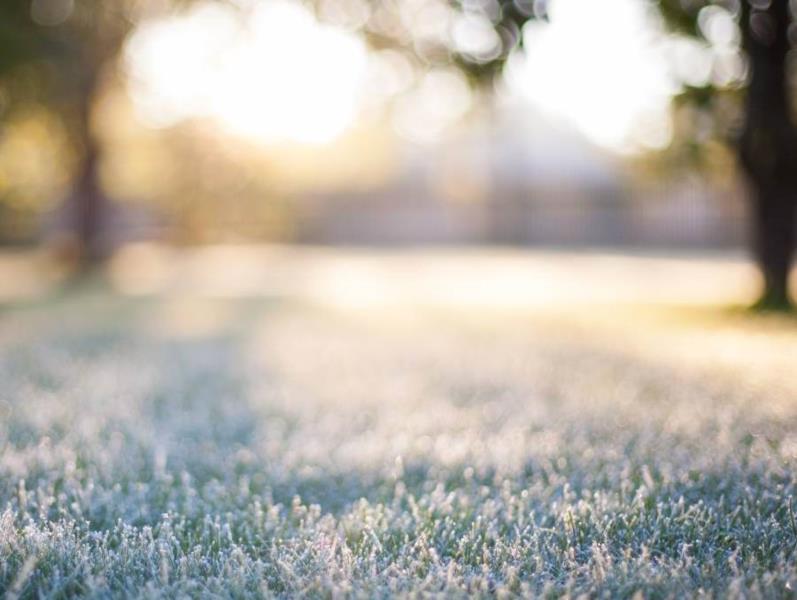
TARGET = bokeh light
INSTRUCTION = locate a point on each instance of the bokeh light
(276, 75)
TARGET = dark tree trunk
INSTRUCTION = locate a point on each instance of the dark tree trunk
(87, 207)
(774, 229)
(768, 146)
(87, 203)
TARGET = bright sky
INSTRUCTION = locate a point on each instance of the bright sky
(285, 78)
(596, 65)
(600, 66)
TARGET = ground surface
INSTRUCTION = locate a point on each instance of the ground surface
(254, 423)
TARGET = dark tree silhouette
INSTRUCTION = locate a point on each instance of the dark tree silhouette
(55, 53)
(67, 52)
(766, 144)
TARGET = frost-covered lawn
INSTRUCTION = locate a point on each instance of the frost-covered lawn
(326, 435)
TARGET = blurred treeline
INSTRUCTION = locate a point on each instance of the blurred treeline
(69, 141)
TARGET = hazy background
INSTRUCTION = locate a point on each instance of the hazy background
(290, 122)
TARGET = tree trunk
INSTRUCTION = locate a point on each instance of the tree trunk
(768, 147)
(87, 203)
(774, 221)
(87, 209)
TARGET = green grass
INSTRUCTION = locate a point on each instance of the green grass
(185, 446)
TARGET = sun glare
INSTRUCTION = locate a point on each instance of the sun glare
(277, 76)
(598, 65)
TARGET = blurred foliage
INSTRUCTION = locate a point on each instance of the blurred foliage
(34, 170)
(53, 51)
(52, 59)
(56, 58)
(708, 115)
(481, 35)
(476, 35)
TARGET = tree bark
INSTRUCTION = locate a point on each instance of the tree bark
(774, 228)
(87, 206)
(87, 202)
(768, 147)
